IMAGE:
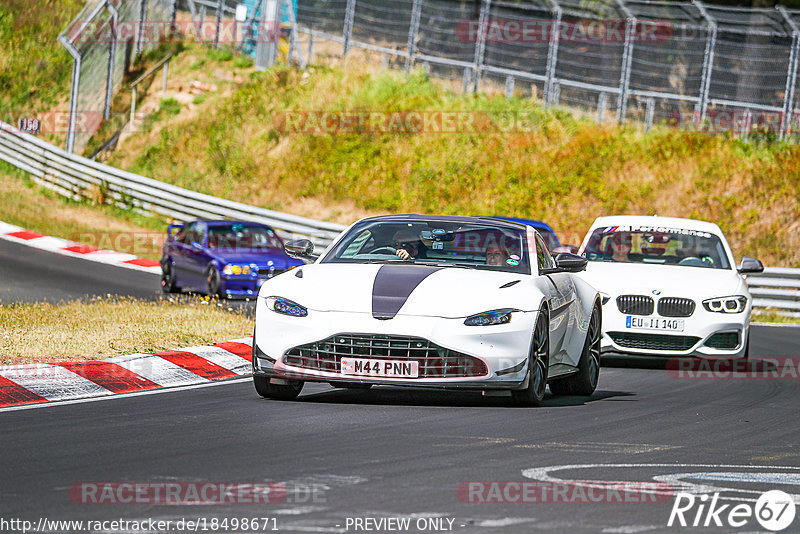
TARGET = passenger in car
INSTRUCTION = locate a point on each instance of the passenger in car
(496, 255)
(408, 245)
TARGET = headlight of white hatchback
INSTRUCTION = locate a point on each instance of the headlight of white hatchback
(732, 304)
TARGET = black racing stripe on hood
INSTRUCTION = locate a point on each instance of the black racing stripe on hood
(393, 285)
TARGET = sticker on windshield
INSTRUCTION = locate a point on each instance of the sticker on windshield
(512, 262)
(514, 257)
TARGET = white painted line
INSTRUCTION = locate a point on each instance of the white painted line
(125, 395)
(52, 382)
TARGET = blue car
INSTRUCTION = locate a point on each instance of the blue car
(223, 258)
(549, 235)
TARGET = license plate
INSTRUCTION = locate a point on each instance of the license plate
(382, 368)
(654, 323)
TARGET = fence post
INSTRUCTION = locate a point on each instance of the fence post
(602, 106)
(627, 61)
(413, 31)
(112, 50)
(480, 44)
(268, 34)
(173, 17)
(791, 75)
(137, 45)
(220, 8)
(349, 15)
(708, 60)
(509, 86)
(649, 112)
(73, 97)
(552, 54)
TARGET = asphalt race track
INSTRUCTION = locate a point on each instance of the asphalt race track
(343, 457)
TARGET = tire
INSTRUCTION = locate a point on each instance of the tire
(584, 382)
(345, 385)
(276, 391)
(538, 359)
(213, 282)
(168, 278)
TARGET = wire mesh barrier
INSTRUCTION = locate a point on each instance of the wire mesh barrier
(688, 64)
(103, 41)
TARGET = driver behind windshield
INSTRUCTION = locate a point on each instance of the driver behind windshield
(408, 245)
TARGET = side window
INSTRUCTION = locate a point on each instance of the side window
(186, 235)
(358, 244)
(543, 257)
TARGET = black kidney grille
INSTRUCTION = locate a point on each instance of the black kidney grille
(675, 307)
(635, 304)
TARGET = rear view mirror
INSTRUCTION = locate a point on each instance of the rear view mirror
(750, 265)
(302, 249)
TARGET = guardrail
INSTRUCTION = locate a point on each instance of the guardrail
(778, 288)
(78, 177)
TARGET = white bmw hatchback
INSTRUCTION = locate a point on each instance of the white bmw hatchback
(670, 287)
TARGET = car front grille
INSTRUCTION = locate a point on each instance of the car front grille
(635, 304)
(632, 340)
(675, 307)
(269, 272)
(723, 340)
(434, 361)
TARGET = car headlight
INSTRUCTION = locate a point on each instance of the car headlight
(286, 307)
(234, 269)
(733, 304)
(501, 316)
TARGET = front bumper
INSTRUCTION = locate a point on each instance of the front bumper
(701, 330)
(502, 348)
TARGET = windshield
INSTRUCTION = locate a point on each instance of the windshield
(242, 236)
(669, 246)
(465, 244)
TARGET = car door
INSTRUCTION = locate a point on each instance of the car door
(561, 303)
(187, 257)
(196, 255)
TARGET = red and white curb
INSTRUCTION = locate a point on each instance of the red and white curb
(9, 232)
(49, 382)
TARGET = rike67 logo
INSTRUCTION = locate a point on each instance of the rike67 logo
(774, 510)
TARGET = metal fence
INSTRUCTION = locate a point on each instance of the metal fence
(777, 288)
(682, 63)
(103, 40)
(78, 177)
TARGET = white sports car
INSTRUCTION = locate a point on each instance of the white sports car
(669, 286)
(430, 301)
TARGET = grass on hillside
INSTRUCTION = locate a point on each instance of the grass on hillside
(26, 204)
(34, 68)
(558, 168)
(102, 328)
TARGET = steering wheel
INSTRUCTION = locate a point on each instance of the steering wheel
(692, 261)
(384, 250)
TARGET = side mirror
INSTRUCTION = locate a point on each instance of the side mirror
(750, 265)
(571, 263)
(173, 229)
(302, 249)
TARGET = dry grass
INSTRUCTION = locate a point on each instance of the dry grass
(26, 204)
(770, 315)
(101, 328)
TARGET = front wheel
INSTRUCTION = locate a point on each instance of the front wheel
(538, 359)
(213, 282)
(276, 391)
(584, 382)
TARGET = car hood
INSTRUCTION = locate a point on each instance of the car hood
(696, 283)
(400, 289)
